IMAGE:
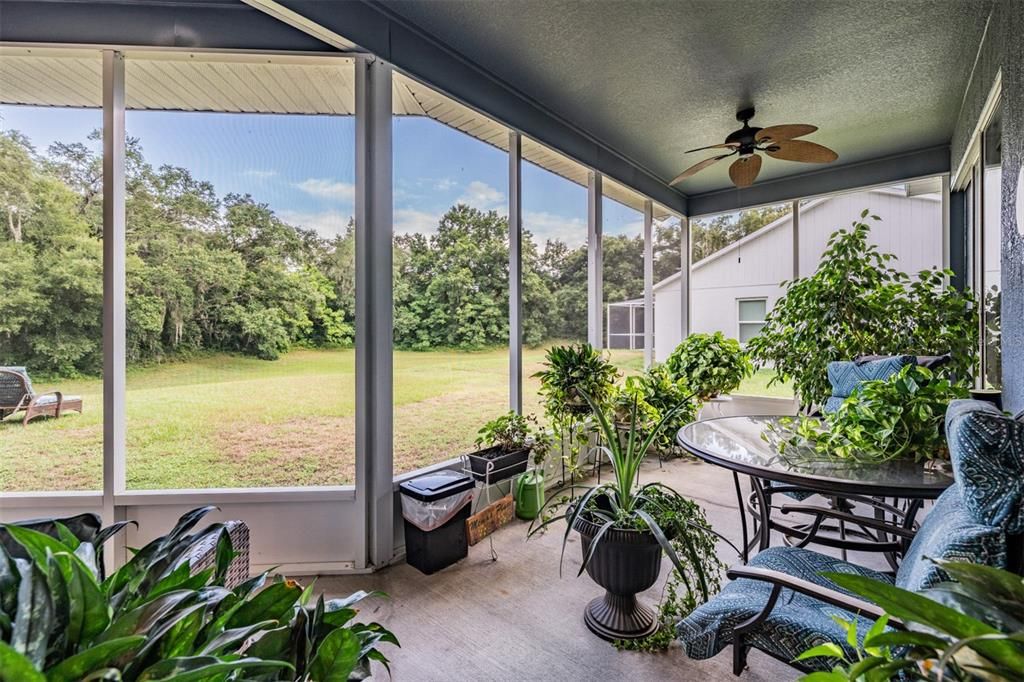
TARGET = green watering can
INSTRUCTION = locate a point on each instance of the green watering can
(529, 494)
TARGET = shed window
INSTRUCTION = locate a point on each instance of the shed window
(751, 314)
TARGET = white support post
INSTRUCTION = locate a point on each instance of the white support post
(515, 273)
(945, 225)
(684, 277)
(595, 286)
(113, 288)
(796, 239)
(648, 283)
(374, 367)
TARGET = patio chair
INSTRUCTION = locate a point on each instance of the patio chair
(780, 604)
(16, 394)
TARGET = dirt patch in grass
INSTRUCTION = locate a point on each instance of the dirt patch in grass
(299, 451)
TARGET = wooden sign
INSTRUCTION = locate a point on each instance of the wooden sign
(489, 519)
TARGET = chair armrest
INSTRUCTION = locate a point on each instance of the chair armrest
(849, 518)
(37, 396)
(825, 594)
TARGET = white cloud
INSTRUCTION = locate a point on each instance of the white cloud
(543, 225)
(630, 229)
(325, 223)
(409, 220)
(329, 189)
(444, 184)
(482, 196)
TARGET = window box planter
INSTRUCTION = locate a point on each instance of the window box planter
(504, 464)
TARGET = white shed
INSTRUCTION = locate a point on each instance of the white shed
(734, 288)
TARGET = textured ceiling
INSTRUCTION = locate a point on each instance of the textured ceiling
(653, 79)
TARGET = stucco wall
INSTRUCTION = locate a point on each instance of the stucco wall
(1012, 25)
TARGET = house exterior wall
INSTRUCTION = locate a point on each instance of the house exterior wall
(911, 228)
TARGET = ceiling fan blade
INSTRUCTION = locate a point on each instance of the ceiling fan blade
(726, 145)
(800, 150)
(697, 167)
(784, 132)
(744, 170)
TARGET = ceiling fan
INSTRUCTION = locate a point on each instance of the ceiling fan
(778, 142)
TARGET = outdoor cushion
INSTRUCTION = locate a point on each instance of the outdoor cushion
(951, 532)
(846, 376)
(987, 450)
(50, 399)
(797, 623)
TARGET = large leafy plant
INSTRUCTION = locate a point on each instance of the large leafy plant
(677, 523)
(156, 619)
(971, 628)
(709, 364)
(569, 373)
(856, 304)
(898, 417)
(656, 393)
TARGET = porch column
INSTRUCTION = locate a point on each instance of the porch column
(113, 290)
(373, 214)
(795, 211)
(684, 277)
(595, 295)
(515, 273)
(648, 283)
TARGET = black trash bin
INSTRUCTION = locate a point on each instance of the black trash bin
(435, 508)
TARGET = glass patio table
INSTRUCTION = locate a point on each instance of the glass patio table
(890, 492)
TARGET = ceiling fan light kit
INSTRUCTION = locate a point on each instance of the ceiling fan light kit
(778, 142)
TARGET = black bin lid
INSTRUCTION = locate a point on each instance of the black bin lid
(437, 486)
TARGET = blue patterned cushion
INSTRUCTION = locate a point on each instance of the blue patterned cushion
(949, 531)
(845, 377)
(797, 622)
(987, 449)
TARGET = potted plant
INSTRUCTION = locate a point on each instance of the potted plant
(506, 443)
(709, 364)
(899, 417)
(569, 372)
(625, 527)
(656, 393)
(855, 303)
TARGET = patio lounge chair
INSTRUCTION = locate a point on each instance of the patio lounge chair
(779, 603)
(16, 394)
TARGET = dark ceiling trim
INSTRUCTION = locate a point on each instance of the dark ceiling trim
(201, 25)
(378, 30)
(917, 164)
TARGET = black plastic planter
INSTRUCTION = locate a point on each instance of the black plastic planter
(625, 562)
(503, 464)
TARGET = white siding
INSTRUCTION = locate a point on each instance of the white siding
(911, 228)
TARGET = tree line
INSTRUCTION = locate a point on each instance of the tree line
(227, 274)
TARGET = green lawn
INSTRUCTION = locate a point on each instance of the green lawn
(226, 421)
(758, 385)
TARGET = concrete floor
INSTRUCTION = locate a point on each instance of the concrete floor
(515, 619)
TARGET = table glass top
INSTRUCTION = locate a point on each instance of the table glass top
(737, 443)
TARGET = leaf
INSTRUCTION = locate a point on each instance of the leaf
(143, 617)
(14, 667)
(231, 637)
(906, 638)
(36, 544)
(336, 657)
(88, 613)
(196, 668)
(828, 649)
(34, 617)
(272, 603)
(93, 659)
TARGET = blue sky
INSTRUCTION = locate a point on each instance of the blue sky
(303, 167)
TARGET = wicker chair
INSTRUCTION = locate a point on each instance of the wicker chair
(16, 394)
